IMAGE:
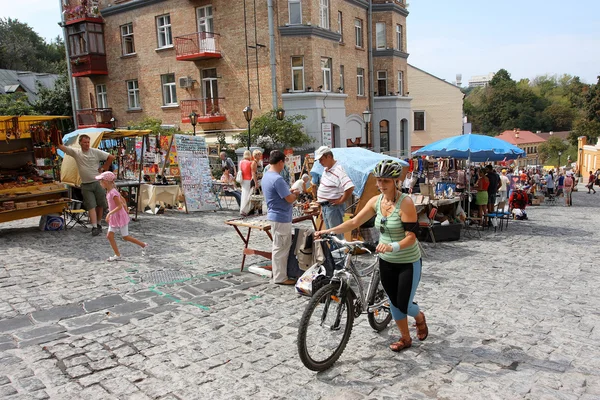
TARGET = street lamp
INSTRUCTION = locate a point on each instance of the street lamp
(559, 154)
(194, 120)
(280, 113)
(248, 115)
(580, 160)
(367, 118)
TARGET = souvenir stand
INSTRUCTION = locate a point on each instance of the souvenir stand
(28, 168)
(123, 145)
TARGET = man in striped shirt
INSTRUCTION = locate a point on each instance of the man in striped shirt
(335, 187)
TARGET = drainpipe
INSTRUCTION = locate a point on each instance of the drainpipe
(271, 16)
(72, 82)
(374, 140)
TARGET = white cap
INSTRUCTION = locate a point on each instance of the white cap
(320, 151)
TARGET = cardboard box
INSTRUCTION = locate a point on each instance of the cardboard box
(536, 202)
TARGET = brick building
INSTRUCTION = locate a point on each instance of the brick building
(525, 140)
(166, 58)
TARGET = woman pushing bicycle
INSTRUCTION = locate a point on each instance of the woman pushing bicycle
(400, 257)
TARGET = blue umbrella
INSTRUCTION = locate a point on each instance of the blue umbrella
(476, 148)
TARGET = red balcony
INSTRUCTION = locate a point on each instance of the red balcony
(89, 65)
(87, 51)
(208, 110)
(197, 46)
(94, 118)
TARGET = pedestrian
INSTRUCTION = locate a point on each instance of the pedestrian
(279, 201)
(590, 185)
(550, 183)
(88, 160)
(247, 175)
(117, 218)
(504, 185)
(227, 162)
(560, 184)
(230, 189)
(568, 185)
(335, 187)
(481, 199)
(257, 169)
(494, 186)
(399, 255)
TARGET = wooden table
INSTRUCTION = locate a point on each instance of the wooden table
(260, 223)
(58, 196)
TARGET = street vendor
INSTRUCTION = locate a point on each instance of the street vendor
(94, 196)
(335, 187)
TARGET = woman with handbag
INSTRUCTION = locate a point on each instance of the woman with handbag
(246, 180)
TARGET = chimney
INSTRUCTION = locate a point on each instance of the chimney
(517, 133)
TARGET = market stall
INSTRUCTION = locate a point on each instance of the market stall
(29, 168)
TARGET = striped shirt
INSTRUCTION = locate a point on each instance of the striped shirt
(334, 183)
(393, 231)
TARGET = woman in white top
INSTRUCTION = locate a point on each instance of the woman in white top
(504, 184)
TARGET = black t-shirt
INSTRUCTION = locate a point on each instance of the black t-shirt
(494, 179)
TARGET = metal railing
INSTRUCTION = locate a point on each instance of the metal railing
(94, 117)
(197, 45)
(205, 109)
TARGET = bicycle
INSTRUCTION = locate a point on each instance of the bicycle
(335, 306)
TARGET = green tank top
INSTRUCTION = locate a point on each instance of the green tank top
(393, 231)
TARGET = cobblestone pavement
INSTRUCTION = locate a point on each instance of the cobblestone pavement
(511, 315)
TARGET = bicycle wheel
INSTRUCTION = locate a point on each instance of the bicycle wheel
(325, 328)
(380, 318)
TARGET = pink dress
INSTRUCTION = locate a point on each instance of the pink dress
(121, 217)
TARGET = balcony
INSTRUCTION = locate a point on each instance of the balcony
(208, 110)
(197, 46)
(95, 118)
(89, 65)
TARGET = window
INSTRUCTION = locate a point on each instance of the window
(326, 70)
(210, 90)
(342, 79)
(96, 38)
(204, 16)
(101, 98)
(381, 83)
(400, 83)
(295, 11)
(163, 28)
(419, 120)
(133, 94)
(384, 136)
(340, 24)
(169, 89)
(380, 35)
(297, 74)
(360, 82)
(399, 37)
(127, 45)
(85, 39)
(358, 32)
(324, 14)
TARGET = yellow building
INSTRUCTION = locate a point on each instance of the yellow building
(588, 157)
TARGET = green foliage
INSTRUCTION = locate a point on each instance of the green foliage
(154, 124)
(56, 100)
(551, 148)
(584, 127)
(592, 100)
(270, 133)
(15, 104)
(22, 49)
(224, 146)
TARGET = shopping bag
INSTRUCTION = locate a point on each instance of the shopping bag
(238, 176)
(305, 284)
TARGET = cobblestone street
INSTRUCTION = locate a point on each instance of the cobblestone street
(511, 315)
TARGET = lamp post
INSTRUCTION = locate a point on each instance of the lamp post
(248, 115)
(113, 123)
(559, 154)
(580, 161)
(194, 121)
(367, 118)
(280, 113)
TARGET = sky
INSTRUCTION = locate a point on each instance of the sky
(471, 37)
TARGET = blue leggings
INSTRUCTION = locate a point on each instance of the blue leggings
(400, 282)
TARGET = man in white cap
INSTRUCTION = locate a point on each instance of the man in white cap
(335, 187)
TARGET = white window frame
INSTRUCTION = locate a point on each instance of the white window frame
(295, 3)
(205, 21)
(302, 87)
(384, 74)
(163, 31)
(324, 14)
(133, 95)
(380, 39)
(360, 81)
(399, 37)
(169, 90)
(341, 26)
(358, 32)
(101, 96)
(342, 79)
(127, 35)
(400, 83)
(424, 120)
(326, 72)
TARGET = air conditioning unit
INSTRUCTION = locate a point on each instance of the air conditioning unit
(186, 82)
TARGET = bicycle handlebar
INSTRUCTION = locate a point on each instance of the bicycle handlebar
(355, 243)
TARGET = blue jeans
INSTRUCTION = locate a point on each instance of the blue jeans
(334, 216)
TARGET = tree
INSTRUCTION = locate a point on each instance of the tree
(15, 104)
(592, 100)
(551, 148)
(56, 100)
(155, 125)
(270, 133)
(584, 127)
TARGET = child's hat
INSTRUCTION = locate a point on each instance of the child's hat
(106, 176)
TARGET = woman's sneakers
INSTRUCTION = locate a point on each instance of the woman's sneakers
(114, 258)
(145, 249)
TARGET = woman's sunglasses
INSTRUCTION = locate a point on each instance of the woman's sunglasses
(382, 224)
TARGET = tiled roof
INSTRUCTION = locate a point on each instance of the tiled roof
(564, 135)
(525, 137)
(27, 80)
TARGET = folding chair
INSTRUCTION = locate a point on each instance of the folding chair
(76, 215)
(499, 214)
(429, 225)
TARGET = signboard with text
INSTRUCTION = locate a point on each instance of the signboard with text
(326, 132)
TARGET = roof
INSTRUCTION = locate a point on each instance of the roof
(525, 137)
(10, 80)
(563, 135)
(433, 76)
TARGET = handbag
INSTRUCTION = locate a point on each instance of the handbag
(311, 280)
(238, 176)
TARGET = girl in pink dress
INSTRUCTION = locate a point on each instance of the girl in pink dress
(117, 218)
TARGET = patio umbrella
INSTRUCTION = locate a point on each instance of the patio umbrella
(473, 147)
